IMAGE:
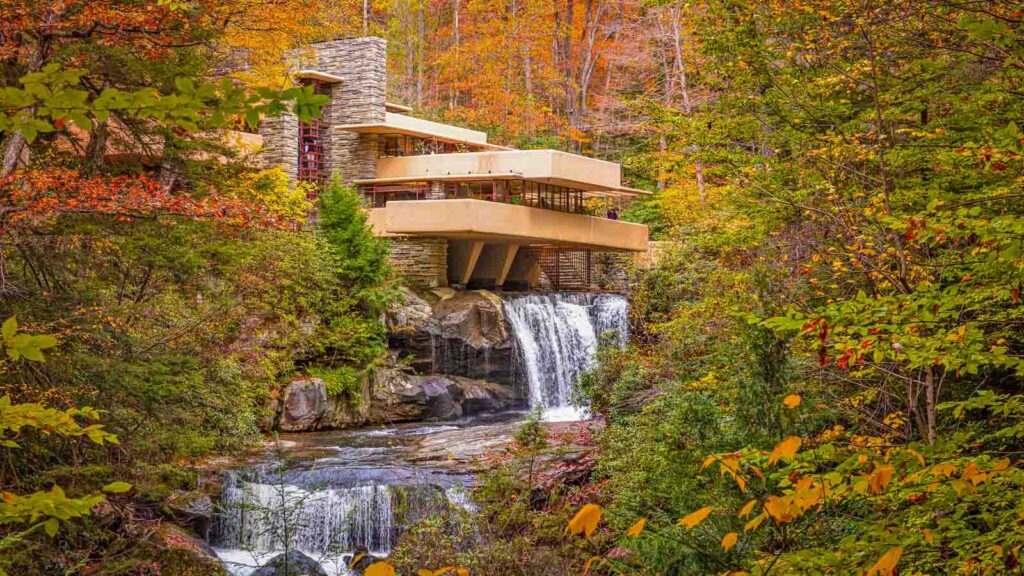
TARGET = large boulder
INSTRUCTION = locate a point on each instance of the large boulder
(471, 338)
(303, 404)
(480, 396)
(192, 509)
(292, 563)
(180, 553)
(408, 321)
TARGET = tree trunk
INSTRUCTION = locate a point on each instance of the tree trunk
(930, 402)
(684, 90)
(15, 149)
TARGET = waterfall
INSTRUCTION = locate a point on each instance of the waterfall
(264, 513)
(557, 336)
(262, 516)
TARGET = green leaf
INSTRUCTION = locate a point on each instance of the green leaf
(117, 487)
(51, 526)
(32, 353)
(9, 328)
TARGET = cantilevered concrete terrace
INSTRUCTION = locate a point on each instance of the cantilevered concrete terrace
(590, 175)
(467, 219)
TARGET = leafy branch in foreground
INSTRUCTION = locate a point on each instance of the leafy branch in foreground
(53, 97)
(43, 510)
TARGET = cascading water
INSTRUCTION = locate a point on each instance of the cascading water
(557, 337)
(360, 500)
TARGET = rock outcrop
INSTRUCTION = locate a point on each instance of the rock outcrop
(179, 553)
(463, 333)
(452, 357)
(392, 395)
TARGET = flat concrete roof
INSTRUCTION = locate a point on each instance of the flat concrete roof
(395, 107)
(401, 124)
(317, 75)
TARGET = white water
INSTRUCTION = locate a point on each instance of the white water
(326, 525)
(557, 336)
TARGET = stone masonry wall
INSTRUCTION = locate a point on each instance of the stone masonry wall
(422, 260)
(281, 142)
(357, 99)
(609, 271)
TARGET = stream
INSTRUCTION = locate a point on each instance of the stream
(331, 494)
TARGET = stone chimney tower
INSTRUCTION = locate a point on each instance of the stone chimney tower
(353, 73)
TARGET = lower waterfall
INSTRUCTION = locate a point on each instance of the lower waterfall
(265, 512)
(557, 336)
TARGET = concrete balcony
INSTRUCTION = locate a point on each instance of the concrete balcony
(545, 166)
(465, 219)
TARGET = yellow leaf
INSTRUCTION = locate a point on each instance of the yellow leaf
(636, 528)
(758, 473)
(747, 509)
(928, 536)
(590, 564)
(791, 401)
(442, 571)
(585, 520)
(781, 509)
(424, 572)
(694, 518)
(729, 540)
(380, 569)
(753, 524)
(880, 479)
(461, 572)
(886, 565)
(707, 461)
(944, 469)
(1001, 465)
(785, 449)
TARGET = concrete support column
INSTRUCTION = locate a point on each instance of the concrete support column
(510, 256)
(462, 259)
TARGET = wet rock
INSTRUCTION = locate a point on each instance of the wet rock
(480, 396)
(443, 397)
(194, 510)
(293, 563)
(409, 332)
(471, 337)
(361, 560)
(304, 403)
(179, 553)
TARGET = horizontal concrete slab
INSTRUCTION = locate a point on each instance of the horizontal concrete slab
(401, 124)
(548, 166)
(497, 222)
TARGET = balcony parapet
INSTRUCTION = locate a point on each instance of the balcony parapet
(547, 166)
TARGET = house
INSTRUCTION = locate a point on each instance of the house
(459, 210)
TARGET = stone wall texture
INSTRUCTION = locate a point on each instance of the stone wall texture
(281, 142)
(423, 261)
(609, 271)
(357, 99)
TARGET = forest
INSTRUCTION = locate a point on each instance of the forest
(824, 372)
